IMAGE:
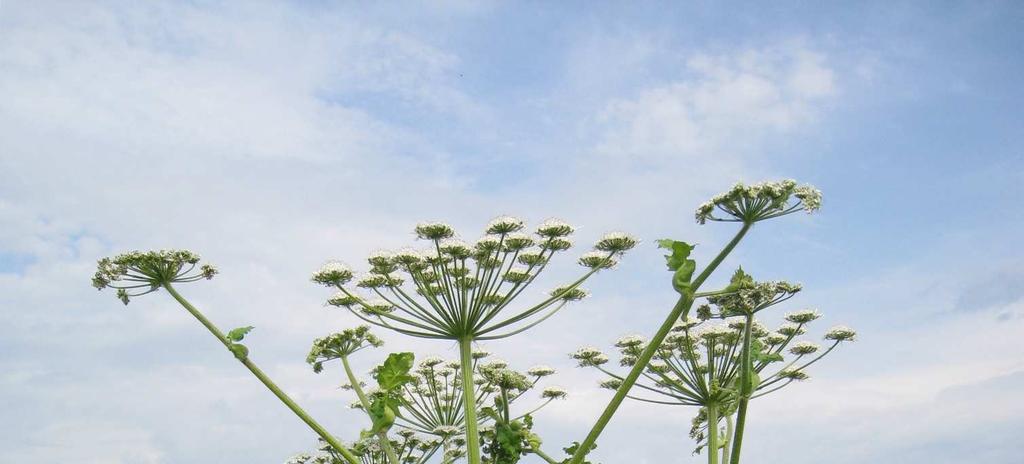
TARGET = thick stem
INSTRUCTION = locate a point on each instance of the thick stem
(745, 391)
(682, 306)
(469, 400)
(295, 408)
(712, 433)
(728, 439)
(385, 443)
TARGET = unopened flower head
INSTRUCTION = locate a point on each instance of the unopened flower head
(341, 344)
(138, 273)
(803, 348)
(757, 202)
(504, 225)
(434, 230)
(803, 317)
(554, 393)
(616, 242)
(611, 384)
(841, 333)
(554, 228)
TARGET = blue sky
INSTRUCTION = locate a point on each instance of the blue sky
(271, 137)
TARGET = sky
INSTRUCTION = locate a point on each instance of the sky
(271, 137)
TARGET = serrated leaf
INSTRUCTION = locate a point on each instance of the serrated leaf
(680, 252)
(395, 371)
(740, 280)
(236, 335)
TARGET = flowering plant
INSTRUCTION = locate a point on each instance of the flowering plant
(717, 360)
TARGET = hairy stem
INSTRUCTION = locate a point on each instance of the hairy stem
(543, 455)
(385, 443)
(469, 400)
(295, 408)
(682, 306)
(745, 391)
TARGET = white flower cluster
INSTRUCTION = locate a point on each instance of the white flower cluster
(554, 393)
(764, 200)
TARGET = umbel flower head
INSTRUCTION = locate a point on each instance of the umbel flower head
(341, 344)
(757, 202)
(140, 272)
(457, 290)
(432, 404)
(701, 364)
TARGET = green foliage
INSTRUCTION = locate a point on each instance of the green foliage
(394, 373)
(236, 335)
(571, 450)
(233, 337)
(391, 377)
(680, 263)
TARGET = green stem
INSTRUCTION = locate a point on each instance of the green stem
(728, 438)
(313, 424)
(544, 456)
(712, 433)
(469, 400)
(682, 306)
(385, 443)
(745, 391)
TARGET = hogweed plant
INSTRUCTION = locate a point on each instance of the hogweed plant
(715, 358)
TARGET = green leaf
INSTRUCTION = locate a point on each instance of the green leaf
(683, 275)
(236, 335)
(394, 373)
(240, 351)
(382, 414)
(680, 252)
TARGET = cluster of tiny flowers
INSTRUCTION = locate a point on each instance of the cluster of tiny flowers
(751, 203)
(332, 273)
(803, 348)
(841, 333)
(340, 344)
(754, 297)
(540, 371)
(148, 270)
(554, 393)
(589, 356)
(803, 317)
